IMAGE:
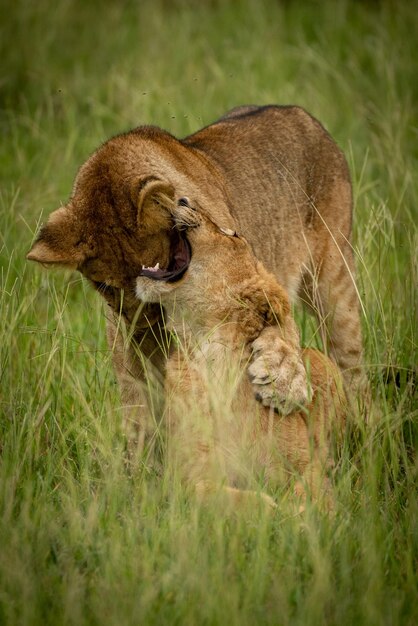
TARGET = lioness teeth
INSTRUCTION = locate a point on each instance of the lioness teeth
(152, 269)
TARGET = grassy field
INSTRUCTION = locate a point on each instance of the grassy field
(84, 541)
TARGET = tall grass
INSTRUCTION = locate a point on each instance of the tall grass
(83, 539)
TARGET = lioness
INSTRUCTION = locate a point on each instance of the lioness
(217, 309)
(272, 173)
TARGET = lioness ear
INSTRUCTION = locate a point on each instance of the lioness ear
(58, 242)
(154, 196)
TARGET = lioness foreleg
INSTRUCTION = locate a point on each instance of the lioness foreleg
(139, 363)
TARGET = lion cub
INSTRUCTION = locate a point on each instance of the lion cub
(219, 433)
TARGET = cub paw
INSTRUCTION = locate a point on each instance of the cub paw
(277, 373)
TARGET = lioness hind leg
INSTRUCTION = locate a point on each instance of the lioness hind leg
(333, 296)
(340, 303)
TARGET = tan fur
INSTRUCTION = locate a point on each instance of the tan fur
(271, 173)
(218, 431)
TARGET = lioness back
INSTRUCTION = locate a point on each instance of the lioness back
(279, 161)
(284, 174)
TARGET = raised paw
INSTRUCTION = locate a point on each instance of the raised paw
(277, 373)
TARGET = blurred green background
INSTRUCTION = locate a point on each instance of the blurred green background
(83, 541)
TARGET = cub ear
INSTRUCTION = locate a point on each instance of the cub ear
(58, 242)
(155, 203)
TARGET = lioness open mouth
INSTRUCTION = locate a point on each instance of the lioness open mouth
(180, 257)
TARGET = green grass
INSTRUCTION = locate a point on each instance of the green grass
(82, 539)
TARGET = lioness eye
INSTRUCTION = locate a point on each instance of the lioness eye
(184, 202)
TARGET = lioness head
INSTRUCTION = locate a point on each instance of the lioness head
(116, 221)
(208, 256)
